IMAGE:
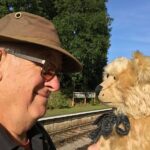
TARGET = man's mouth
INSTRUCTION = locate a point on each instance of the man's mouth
(44, 94)
(41, 91)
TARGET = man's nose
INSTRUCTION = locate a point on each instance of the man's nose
(98, 89)
(53, 84)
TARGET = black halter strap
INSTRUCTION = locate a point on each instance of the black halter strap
(105, 124)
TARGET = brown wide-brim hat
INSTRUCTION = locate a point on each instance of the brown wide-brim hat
(33, 29)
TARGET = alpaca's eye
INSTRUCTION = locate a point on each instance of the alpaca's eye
(107, 75)
(114, 78)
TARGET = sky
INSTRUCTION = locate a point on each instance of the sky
(130, 27)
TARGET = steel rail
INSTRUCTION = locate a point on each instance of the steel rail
(74, 114)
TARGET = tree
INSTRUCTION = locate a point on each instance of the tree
(40, 7)
(84, 28)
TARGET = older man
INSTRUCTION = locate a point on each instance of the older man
(30, 59)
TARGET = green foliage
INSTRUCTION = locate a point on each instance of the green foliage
(40, 7)
(94, 102)
(84, 30)
(58, 100)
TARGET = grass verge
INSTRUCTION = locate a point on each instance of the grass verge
(76, 109)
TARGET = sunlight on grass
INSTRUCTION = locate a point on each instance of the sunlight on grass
(76, 109)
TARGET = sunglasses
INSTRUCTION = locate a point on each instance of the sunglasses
(48, 71)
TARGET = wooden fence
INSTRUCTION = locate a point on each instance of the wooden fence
(83, 95)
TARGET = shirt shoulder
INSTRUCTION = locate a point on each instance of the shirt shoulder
(38, 134)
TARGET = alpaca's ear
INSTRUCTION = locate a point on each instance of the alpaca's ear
(138, 57)
(142, 67)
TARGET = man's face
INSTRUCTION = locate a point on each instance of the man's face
(24, 90)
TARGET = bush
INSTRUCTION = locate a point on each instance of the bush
(94, 102)
(58, 100)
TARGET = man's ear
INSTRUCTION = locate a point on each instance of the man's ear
(2, 55)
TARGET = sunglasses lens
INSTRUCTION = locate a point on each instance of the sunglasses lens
(49, 71)
(48, 75)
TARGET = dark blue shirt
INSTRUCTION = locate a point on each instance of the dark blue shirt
(39, 139)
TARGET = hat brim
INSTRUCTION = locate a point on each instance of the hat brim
(70, 63)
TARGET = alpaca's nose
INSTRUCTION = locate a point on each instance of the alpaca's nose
(98, 89)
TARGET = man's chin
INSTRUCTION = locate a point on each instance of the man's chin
(39, 106)
(43, 112)
(39, 113)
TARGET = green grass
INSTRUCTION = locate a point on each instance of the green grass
(76, 109)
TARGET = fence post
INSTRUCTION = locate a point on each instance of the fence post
(72, 102)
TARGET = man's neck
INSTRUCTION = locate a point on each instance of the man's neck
(17, 131)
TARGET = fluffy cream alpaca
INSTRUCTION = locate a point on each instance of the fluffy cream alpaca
(126, 86)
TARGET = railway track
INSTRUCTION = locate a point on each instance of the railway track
(70, 135)
(66, 129)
